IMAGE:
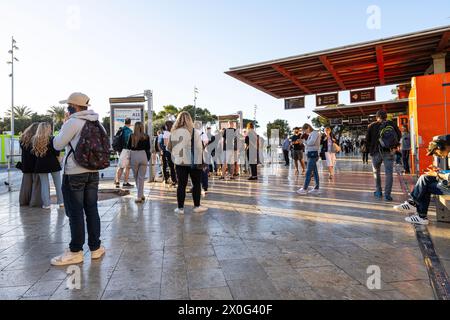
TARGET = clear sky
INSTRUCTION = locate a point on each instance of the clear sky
(118, 47)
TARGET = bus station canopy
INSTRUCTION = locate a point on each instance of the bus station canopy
(377, 63)
(363, 110)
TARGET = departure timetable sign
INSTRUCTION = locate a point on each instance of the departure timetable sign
(327, 99)
(366, 95)
(294, 103)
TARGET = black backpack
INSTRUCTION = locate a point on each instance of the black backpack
(388, 137)
(118, 141)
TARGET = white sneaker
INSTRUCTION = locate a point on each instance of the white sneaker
(47, 207)
(406, 208)
(204, 193)
(97, 254)
(68, 258)
(415, 219)
(302, 192)
(200, 209)
(179, 211)
(315, 191)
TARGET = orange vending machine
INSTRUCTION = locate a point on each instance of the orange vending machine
(429, 112)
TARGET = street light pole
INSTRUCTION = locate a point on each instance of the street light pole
(11, 142)
(149, 95)
(195, 103)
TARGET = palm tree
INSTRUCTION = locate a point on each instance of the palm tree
(58, 113)
(21, 112)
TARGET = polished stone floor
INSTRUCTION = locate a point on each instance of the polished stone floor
(258, 241)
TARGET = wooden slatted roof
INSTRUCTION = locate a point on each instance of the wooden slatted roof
(384, 62)
(366, 109)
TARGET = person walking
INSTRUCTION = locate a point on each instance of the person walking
(124, 134)
(252, 150)
(330, 148)
(365, 151)
(47, 162)
(298, 149)
(139, 146)
(30, 189)
(383, 137)
(405, 147)
(187, 150)
(286, 148)
(80, 184)
(312, 152)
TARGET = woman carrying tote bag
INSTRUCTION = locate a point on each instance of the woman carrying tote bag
(330, 148)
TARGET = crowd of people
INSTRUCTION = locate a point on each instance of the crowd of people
(186, 152)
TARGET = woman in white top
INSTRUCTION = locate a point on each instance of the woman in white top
(329, 144)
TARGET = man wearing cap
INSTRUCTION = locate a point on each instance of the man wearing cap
(80, 185)
(382, 155)
(434, 181)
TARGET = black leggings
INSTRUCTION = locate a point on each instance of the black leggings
(183, 173)
(365, 157)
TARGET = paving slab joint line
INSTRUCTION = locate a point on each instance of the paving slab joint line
(438, 276)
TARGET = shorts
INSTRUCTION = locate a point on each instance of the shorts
(124, 159)
(297, 155)
(229, 157)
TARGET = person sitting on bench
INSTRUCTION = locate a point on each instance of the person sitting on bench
(433, 182)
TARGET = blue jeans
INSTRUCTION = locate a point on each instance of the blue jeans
(80, 198)
(388, 159)
(310, 170)
(425, 187)
(45, 188)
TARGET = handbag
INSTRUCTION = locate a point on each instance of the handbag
(336, 148)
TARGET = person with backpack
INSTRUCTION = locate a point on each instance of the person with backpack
(139, 145)
(383, 138)
(120, 145)
(168, 165)
(87, 147)
(47, 162)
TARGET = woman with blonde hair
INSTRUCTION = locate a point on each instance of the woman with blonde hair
(139, 146)
(187, 151)
(30, 189)
(47, 162)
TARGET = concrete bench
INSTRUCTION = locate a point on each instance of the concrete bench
(443, 208)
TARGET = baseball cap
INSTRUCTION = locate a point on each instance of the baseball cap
(432, 148)
(78, 99)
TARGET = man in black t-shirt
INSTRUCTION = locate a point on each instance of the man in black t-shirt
(298, 150)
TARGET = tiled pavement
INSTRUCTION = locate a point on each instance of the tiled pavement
(258, 241)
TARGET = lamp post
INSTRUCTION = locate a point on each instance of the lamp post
(195, 102)
(149, 95)
(11, 143)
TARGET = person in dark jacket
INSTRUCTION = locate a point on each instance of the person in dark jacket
(30, 189)
(382, 155)
(365, 151)
(139, 144)
(47, 162)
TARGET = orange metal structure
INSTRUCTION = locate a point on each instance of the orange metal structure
(429, 112)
